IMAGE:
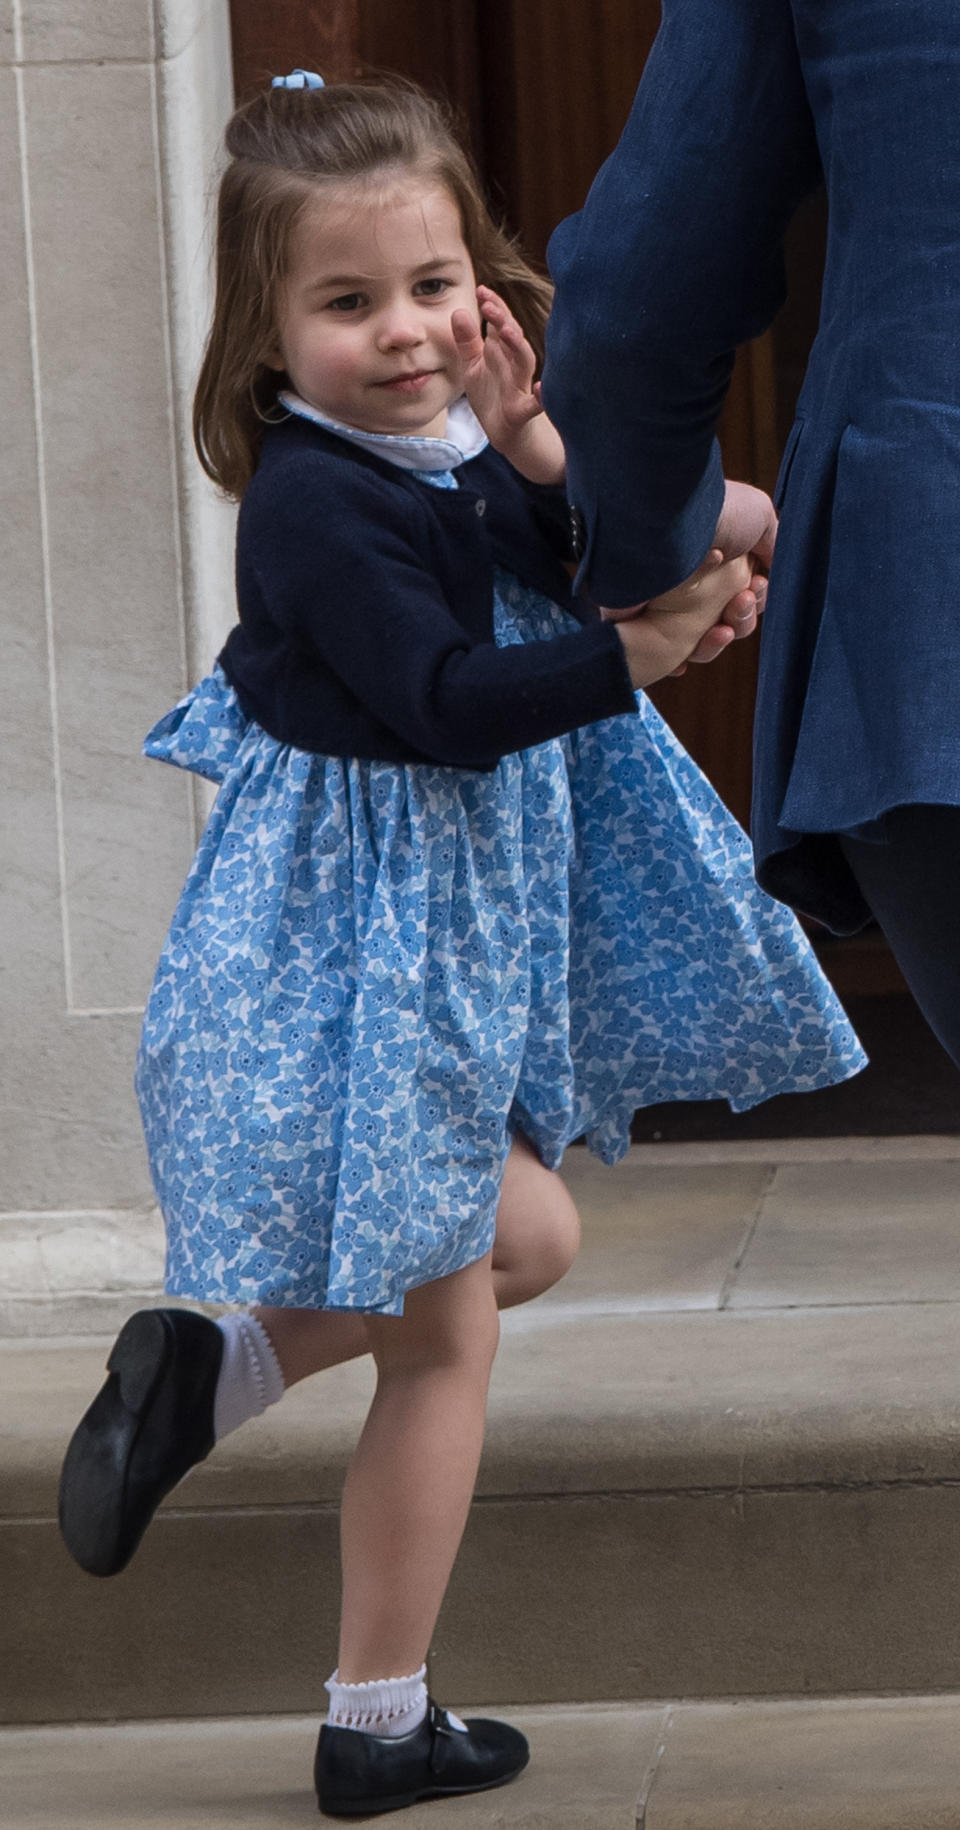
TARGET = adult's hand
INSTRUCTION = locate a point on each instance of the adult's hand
(747, 526)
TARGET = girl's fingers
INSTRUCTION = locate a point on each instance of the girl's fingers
(497, 313)
(741, 613)
(512, 341)
(712, 644)
(466, 334)
(759, 585)
(511, 335)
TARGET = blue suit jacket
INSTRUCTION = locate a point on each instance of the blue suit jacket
(674, 260)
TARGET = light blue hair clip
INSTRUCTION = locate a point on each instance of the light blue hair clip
(298, 79)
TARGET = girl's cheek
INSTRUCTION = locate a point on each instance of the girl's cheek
(335, 358)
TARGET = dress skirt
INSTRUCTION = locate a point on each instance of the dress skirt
(378, 972)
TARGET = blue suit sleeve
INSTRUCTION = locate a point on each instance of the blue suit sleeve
(674, 260)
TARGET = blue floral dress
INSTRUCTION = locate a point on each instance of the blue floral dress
(378, 972)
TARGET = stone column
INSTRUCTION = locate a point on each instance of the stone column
(116, 585)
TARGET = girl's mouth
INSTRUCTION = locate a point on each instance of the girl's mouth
(408, 384)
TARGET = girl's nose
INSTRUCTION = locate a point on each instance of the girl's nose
(399, 328)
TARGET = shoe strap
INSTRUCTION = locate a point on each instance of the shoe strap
(442, 1733)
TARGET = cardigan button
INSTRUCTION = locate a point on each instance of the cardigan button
(480, 505)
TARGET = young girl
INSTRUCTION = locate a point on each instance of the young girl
(461, 900)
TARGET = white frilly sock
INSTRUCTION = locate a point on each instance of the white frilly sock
(390, 1707)
(250, 1377)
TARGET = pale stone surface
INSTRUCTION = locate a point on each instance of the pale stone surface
(77, 1273)
(890, 1763)
(551, 1600)
(9, 38)
(100, 320)
(49, 1255)
(872, 1764)
(609, 1404)
(698, 1503)
(585, 1769)
(108, 442)
(57, 31)
(196, 38)
(180, 22)
(44, 1318)
(656, 1235)
(72, 1135)
(238, 1611)
(855, 1233)
(29, 879)
(704, 1595)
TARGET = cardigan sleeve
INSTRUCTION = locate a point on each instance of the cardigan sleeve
(355, 584)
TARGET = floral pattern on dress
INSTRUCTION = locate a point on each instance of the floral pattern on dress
(378, 972)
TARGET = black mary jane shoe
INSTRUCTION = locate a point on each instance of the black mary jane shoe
(360, 1775)
(150, 1423)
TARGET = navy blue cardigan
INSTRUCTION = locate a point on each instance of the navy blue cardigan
(366, 609)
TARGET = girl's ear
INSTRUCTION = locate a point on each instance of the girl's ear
(272, 358)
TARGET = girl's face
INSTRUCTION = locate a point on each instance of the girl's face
(364, 331)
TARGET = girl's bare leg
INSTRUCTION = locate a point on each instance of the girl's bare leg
(538, 1235)
(411, 1480)
(309, 1341)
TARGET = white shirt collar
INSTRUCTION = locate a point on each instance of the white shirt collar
(465, 437)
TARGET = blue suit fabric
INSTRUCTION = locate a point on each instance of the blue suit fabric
(674, 261)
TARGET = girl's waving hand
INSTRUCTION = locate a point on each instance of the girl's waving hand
(498, 372)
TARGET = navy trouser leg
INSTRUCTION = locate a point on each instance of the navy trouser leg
(912, 883)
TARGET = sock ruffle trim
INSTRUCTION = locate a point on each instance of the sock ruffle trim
(382, 1700)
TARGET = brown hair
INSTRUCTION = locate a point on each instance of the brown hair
(282, 145)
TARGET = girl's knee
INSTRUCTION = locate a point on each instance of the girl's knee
(538, 1229)
(561, 1241)
(550, 1247)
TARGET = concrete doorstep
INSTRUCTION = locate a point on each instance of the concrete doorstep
(862, 1764)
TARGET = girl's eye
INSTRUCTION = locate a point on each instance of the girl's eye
(348, 301)
(432, 288)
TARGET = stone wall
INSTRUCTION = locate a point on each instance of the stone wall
(116, 586)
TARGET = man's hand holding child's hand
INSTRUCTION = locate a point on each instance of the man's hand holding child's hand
(747, 528)
(673, 629)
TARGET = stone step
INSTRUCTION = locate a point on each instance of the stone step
(585, 1773)
(890, 1763)
(696, 1505)
(686, 1490)
(855, 1764)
